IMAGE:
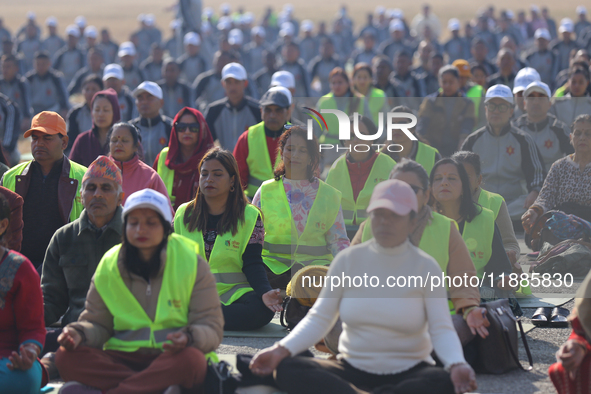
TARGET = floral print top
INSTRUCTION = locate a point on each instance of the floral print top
(301, 195)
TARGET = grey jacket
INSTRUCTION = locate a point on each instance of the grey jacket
(48, 92)
(227, 123)
(155, 134)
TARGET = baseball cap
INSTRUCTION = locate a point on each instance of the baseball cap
(283, 78)
(224, 23)
(175, 24)
(499, 91)
(581, 10)
(51, 21)
(192, 38)
(208, 12)
(537, 86)
(524, 77)
(149, 20)
(307, 25)
(542, 33)
(394, 195)
(453, 24)
(235, 37)
(463, 67)
(126, 48)
(148, 198)
(278, 96)
(380, 10)
(73, 30)
(566, 25)
(31, 16)
(397, 13)
(534, 8)
(509, 14)
(80, 21)
(148, 87)
(396, 25)
(247, 18)
(103, 167)
(90, 32)
(47, 122)
(234, 70)
(113, 70)
(258, 31)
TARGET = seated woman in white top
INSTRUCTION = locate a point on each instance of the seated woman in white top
(377, 347)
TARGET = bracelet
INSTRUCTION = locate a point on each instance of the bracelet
(448, 369)
(466, 311)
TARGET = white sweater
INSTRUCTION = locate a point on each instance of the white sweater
(386, 330)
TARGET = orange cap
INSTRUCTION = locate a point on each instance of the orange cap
(463, 67)
(47, 122)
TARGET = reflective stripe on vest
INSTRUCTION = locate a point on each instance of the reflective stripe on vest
(133, 328)
(492, 201)
(281, 234)
(328, 101)
(77, 172)
(166, 173)
(258, 160)
(339, 178)
(225, 259)
(426, 156)
(478, 236)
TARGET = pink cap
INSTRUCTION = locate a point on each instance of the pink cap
(395, 195)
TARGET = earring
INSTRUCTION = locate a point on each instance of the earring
(232, 189)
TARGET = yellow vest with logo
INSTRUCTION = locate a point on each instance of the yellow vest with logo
(77, 172)
(478, 236)
(375, 101)
(328, 101)
(166, 173)
(339, 178)
(492, 201)
(132, 327)
(258, 160)
(426, 156)
(225, 260)
(283, 246)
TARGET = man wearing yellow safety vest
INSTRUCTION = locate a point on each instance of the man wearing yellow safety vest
(152, 316)
(472, 90)
(356, 174)
(49, 184)
(256, 149)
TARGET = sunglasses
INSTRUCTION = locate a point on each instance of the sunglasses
(416, 189)
(193, 127)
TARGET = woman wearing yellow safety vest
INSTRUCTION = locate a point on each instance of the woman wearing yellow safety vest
(230, 234)
(452, 197)
(152, 314)
(376, 98)
(176, 164)
(418, 151)
(439, 237)
(356, 174)
(492, 201)
(303, 216)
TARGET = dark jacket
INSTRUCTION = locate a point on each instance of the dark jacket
(14, 233)
(70, 261)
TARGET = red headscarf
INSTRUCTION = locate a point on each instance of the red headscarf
(204, 143)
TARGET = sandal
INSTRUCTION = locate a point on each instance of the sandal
(541, 316)
(559, 316)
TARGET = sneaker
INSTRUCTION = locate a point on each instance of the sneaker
(533, 255)
(78, 388)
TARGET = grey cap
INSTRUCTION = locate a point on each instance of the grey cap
(275, 97)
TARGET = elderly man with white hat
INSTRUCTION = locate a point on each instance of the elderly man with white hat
(192, 63)
(550, 134)
(229, 117)
(509, 156)
(562, 48)
(542, 59)
(53, 42)
(153, 126)
(256, 149)
(127, 55)
(396, 42)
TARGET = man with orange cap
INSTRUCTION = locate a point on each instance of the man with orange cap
(49, 184)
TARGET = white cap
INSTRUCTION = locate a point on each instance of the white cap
(453, 24)
(380, 10)
(524, 77)
(73, 30)
(390, 13)
(141, 18)
(225, 8)
(192, 38)
(288, 8)
(566, 25)
(148, 87)
(234, 70)
(499, 91)
(235, 37)
(396, 25)
(258, 31)
(150, 19)
(509, 14)
(581, 10)
(289, 27)
(283, 78)
(542, 33)
(307, 25)
(91, 32)
(113, 70)
(126, 48)
(208, 12)
(205, 27)
(535, 8)
(247, 18)
(397, 13)
(148, 198)
(51, 21)
(224, 23)
(31, 16)
(175, 24)
(537, 86)
(80, 21)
